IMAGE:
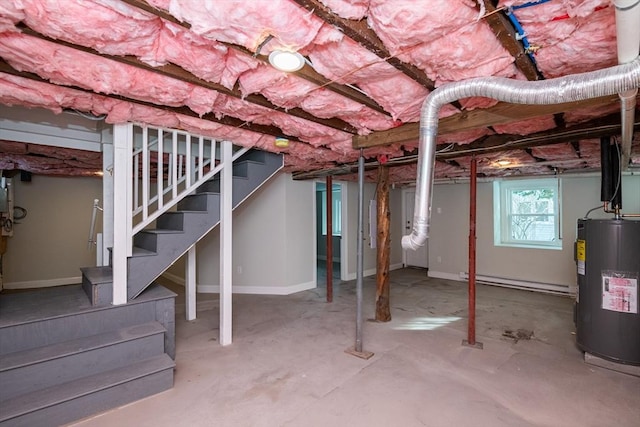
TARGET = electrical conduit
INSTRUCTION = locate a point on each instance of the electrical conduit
(578, 87)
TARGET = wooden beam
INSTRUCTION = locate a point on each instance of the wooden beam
(178, 73)
(609, 125)
(506, 35)
(383, 245)
(360, 32)
(307, 72)
(500, 113)
(185, 111)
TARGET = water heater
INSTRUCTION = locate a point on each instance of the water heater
(608, 264)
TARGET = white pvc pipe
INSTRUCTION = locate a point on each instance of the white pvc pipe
(628, 42)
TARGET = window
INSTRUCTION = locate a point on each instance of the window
(527, 213)
(336, 215)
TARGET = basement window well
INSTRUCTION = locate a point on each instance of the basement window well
(527, 213)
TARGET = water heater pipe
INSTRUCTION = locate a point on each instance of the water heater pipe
(571, 88)
(628, 43)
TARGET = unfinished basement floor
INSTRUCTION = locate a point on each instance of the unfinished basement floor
(287, 365)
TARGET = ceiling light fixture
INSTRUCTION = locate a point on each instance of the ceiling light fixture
(503, 163)
(286, 61)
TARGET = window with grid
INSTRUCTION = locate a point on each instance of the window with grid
(527, 213)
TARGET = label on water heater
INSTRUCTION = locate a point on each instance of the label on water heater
(619, 293)
(581, 255)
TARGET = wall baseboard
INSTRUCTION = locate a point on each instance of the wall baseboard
(174, 278)
(443, 275)
(371, 272)
(43, 283)
(259, 290)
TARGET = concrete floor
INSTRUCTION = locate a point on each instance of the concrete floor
(287, 365)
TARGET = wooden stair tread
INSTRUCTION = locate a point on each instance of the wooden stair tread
(58, 394)
(54, 351)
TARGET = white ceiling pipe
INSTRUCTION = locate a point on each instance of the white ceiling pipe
(571, 88)
(628, 40)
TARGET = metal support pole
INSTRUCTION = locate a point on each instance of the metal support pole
(329, 207)
(471, 336)
(357, 350)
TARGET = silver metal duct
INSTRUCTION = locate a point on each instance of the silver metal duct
(571, 88)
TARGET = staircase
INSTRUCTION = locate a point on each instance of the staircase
(154, 250)
(64, 356)
(62, 359)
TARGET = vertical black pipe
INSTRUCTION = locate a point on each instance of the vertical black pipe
(606, 186)
(329, 207)
(616, 178)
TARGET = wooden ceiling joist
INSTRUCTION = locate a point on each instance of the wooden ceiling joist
(506, 35)
(178, 73)
(361, 33)
(498, 114)
(307, 72)
(185, 111)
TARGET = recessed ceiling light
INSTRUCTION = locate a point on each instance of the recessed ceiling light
(286, 61)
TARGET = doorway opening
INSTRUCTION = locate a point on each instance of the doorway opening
(321, 233)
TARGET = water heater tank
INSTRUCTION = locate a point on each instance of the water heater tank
(608, 261)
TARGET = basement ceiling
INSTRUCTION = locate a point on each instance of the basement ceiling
(202, 66)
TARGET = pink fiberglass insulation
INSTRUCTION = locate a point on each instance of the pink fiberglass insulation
(590, 151)
(248, 23)
(348, 9)
(555, 152)
(288, 91)
(66, 66)
(444, 39)
(525, 127)
(583, 114)
(569, 35)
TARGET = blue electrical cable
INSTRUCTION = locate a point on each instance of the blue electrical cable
(531, 3)
(516, 25)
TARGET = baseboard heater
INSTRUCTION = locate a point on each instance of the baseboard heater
(520, 284)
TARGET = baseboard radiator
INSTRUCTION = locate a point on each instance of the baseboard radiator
(521, 284)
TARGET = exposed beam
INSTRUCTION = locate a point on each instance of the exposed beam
(185, 111)
(482, 117)
(307, 72)
(506, 35)
(609, 125)
(361, 33)
(178, 73)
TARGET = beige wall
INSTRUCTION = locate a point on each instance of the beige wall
(448, 242)
(273, 242)
(49, 246)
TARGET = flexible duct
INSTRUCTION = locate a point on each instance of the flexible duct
(571, 88)
(628, 43)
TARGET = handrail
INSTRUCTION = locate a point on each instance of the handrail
(177, 161)
(92, 228)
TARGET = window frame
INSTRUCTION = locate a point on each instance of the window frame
(502, 204)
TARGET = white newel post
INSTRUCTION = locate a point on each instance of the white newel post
(190, 284)
(122, 182)
(226, 249)
(107, 195)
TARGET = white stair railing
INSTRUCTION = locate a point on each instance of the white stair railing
(168, 165)
(162, 167)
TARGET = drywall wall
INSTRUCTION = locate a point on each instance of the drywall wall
(273, 242)
(350, 225)
(49, 246)
(449, 231)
